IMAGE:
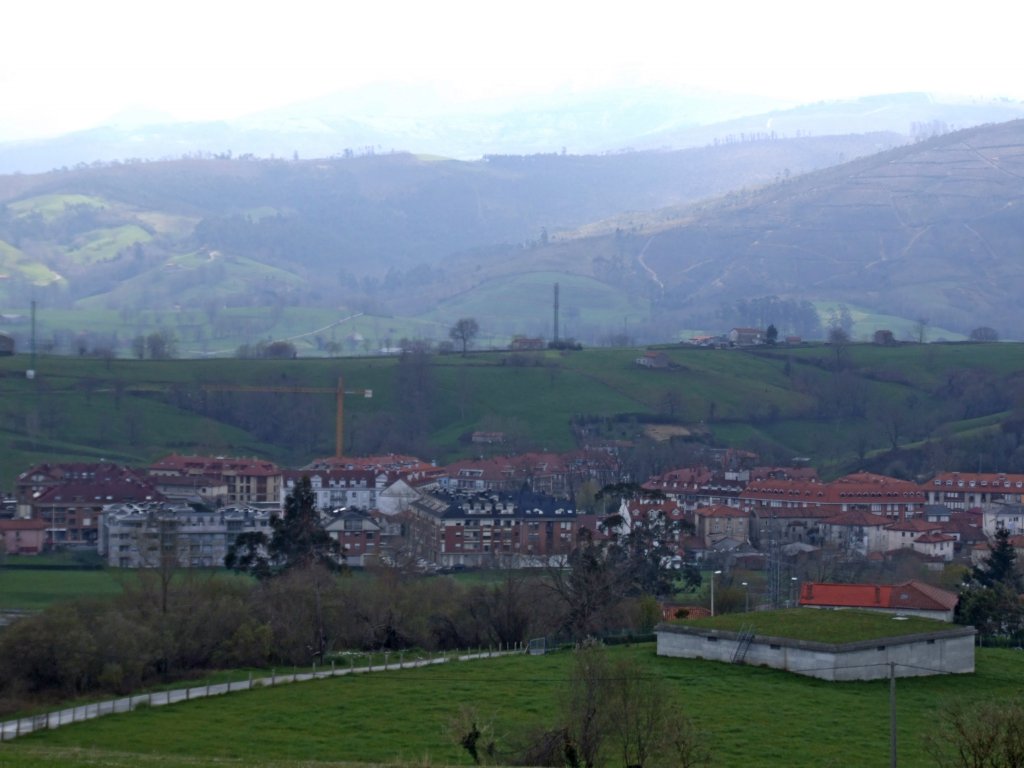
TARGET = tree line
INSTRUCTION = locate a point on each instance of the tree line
(213, 621)
(296, 604)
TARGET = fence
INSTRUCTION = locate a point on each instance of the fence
(23, 726)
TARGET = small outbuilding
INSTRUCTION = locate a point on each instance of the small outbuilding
(829, 645)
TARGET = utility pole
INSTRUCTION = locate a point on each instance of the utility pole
(892, 714)
(339, 436)
(32, 368)
(556, 313)
(774, 565)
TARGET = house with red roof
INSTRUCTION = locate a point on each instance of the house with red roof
(936, 546)
(911, 598)
(701, 486)
(22, 537)
(554, 474)
(33, 482)
(722, 527)
(359, 536)
(745, 337)
(796, 509)
(966, 526)
(857, 531)
(250, 482)
(212, 491)
(966, 490)
(903, 533)
(72, 510)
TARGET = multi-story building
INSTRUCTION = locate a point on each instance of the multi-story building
(969, 490)
(156, 535)
(361, 537)
(720, 526)
(490, 529)
(694, 487)
(31, 484)
(71, 510)
(249, 482)
(554, 474)
(796, 509)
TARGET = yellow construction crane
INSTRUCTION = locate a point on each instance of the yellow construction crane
(340, 392)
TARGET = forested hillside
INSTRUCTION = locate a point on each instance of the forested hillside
(654, 246)
(370, 233)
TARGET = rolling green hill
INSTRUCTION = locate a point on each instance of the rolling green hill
(923, 231)
(900, 409)
(372, 233)
(645, 244)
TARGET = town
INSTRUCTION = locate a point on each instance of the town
(522, 511)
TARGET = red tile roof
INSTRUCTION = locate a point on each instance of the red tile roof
(858, 517)
(23, 525)
(92, 493)
(685, 477)
(910, 595)
(862, 488)
(934, 538)
(915, 526)
(982, 480)
(720, 510)
(214, 464)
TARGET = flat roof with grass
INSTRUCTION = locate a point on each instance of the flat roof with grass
(815, 625)
(830, 645)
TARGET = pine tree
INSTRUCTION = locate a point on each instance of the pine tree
(1000, 566)
(299, 540)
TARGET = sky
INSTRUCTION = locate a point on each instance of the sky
(67, 64)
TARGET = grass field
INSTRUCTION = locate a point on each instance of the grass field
(100, 244)
(587, 305)
(53, 206)
(753, 716)
(775, 399)
(31, 590)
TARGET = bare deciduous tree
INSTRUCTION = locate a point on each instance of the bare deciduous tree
(614, 708)
(980, 735)
(463, 332)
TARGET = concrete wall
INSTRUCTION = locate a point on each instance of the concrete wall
(941, 652)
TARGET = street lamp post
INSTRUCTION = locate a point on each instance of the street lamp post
(713, 574)
(746, 597)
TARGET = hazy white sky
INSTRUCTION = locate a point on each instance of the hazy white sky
(67, 64)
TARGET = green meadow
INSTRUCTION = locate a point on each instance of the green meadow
(33, 589)
(779, 401)
(751, 716)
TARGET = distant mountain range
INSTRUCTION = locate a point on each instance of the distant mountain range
(412, 120)
(877, 205)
